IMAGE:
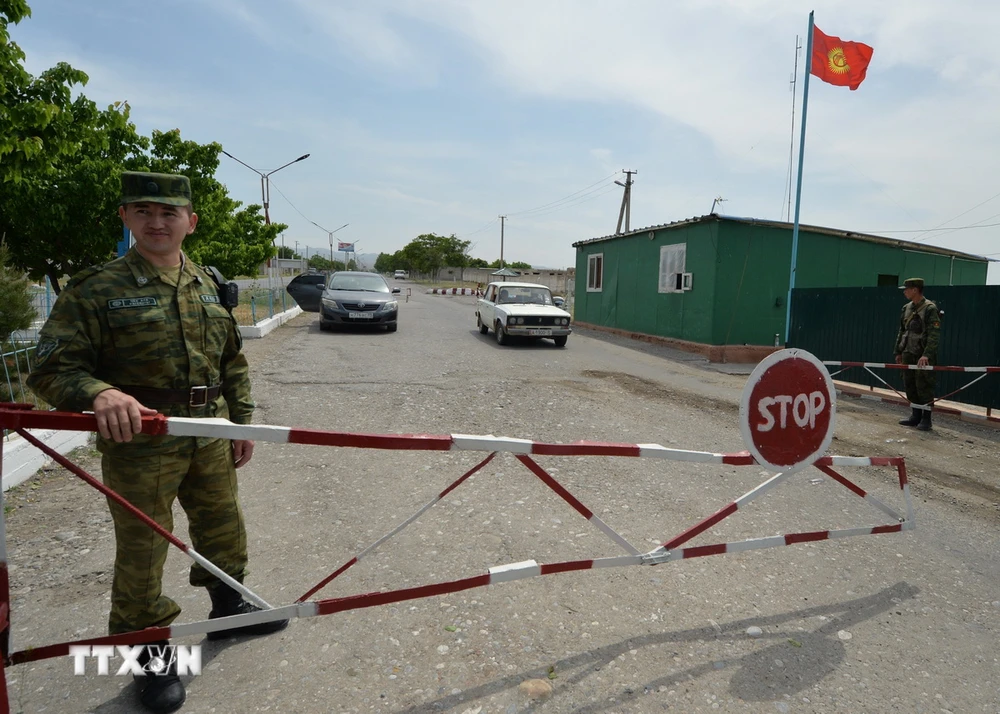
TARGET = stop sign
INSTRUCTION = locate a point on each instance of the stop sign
(787, 410)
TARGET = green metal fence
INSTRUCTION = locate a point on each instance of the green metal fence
(258, 304)
(860, 324)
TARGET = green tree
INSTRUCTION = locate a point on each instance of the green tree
(40, 121)
(428, 252)
(16, 310)
(239, 246)
(63, 217)
(318, 262)
(478, 263)
(384, 264)
(516, 265)
(287, 253)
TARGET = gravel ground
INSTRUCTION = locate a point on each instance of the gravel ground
(896, 623)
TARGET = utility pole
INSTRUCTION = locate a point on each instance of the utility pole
(626, 209)
(502, 219)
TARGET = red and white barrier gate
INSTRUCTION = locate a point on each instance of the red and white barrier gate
(454, 291)
(773, 412)
(869, 366)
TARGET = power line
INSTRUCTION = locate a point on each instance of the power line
(565, 198)
(929, 230)
(479, 230)
(941, 226)
(290, 203)
(577, 202)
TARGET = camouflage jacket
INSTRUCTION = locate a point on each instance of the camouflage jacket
(120, 324)
(919, 330)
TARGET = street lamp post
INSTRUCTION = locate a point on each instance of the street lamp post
(330, 233)
(265, 194)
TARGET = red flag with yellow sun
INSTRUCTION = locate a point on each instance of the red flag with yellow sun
(838, 62)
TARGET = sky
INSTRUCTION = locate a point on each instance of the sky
(438, 116)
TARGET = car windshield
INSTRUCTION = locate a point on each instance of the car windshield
(524, 296)
(360, 283)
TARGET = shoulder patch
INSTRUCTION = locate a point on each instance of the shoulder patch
(45, 347)
(122, 303)
(210, 298)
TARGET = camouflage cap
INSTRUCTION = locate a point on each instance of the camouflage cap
(142, 186)
(913, 283)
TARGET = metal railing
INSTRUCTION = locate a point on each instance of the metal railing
(257, 304)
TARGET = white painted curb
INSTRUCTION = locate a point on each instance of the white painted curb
(272, 323)
(21, 460)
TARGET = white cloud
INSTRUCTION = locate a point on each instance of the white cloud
(703, 84)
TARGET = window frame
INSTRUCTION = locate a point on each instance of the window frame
(677, 280)
(595, 285)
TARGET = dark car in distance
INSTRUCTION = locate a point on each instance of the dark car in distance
(359, 299)
(307, 289)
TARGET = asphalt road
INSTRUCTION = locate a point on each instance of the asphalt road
(890, 623)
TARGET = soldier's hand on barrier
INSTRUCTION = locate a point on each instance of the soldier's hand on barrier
(119, 415)
(923, 362)
(242, 451)
(899, 359)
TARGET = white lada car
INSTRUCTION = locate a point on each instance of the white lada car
(522, 310)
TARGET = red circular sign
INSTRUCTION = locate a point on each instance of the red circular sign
(787, 410)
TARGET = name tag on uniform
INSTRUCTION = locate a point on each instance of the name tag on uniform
(210, 298)
(121, 303)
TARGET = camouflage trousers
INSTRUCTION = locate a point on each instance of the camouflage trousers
(919, 385)
(204, 481)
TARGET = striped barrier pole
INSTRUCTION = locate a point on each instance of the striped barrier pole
(23, 418)
(869, 366)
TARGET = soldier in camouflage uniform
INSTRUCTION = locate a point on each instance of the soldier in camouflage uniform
(917, 343)
(146, 333)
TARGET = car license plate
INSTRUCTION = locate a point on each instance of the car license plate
(540, 333)
(360, 315)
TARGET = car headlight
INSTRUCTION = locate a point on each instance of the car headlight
(565, 321)
(519, 321)
(390, 306)
(332, 304)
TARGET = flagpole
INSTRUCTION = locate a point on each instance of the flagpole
(798, 185)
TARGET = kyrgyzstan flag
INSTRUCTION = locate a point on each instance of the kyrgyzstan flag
(838, 62)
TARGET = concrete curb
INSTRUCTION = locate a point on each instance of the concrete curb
(21, 460)
(270, 324)
(952, 409)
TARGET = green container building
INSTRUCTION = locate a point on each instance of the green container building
(720, 280)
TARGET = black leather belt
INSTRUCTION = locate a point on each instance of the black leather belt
(194, 397)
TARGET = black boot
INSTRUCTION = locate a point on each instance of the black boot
(913, 419)
(226, 602)
(925, 421)
(160, 689)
